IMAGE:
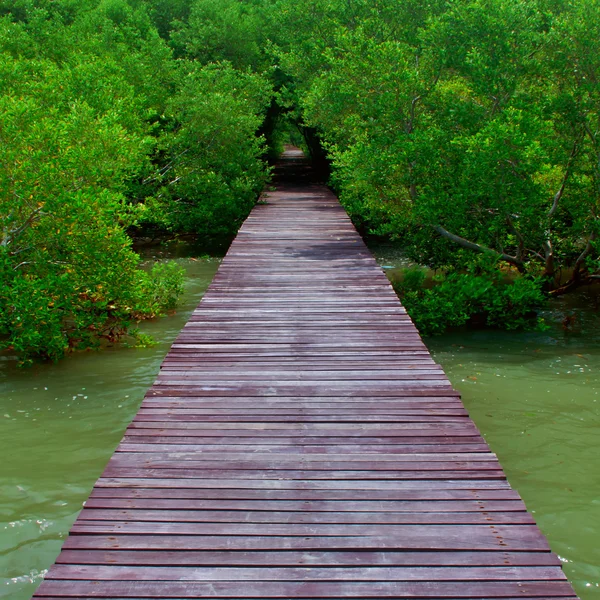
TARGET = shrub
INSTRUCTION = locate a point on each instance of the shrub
(456, 299)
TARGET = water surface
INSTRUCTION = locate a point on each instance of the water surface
(59, 425)
(535, 397)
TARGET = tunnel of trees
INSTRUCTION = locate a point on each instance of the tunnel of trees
(467, 130)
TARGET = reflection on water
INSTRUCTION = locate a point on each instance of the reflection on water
(59, 426)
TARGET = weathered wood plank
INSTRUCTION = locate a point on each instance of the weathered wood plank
(250, 589)
(305, 450)
(401, 492)
(457, 538)
(304, 507)
(354, 516)
(178, 481)
(299, 558)
(171, 573)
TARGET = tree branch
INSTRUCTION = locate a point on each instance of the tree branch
(547, 243)
(588, 248)
(9, 237)
(411, 120)
(576, 279)
(561, 190)
(479, 248)
(170, 165)
(519, 237)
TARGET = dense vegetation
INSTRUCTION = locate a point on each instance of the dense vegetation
(468, 129)
(104, 132)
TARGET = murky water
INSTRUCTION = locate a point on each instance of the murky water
(535, 397)
(59, 425)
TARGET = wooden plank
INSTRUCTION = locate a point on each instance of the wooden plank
(401, 492)
(306, 418)
(354, 516)
(280, 391)
(305, 450)
(249, 589)
(178, 481)
(457, 538)
(172, 573)
(288, 413)
(190, 437)
(308, 429)
(150, 417)
(360, 458)
(147, 461)
(189, 475)
(304, 507)
(331, 402)
(300, 442)
(299, 558)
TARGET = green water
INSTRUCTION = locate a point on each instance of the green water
(59, 425)
(535, 397)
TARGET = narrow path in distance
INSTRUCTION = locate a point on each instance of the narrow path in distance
(300, 442)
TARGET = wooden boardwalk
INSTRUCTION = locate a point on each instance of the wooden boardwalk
(300, 442)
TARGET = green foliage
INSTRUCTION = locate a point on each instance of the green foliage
(459, 127)
(50, 315)
(213, 172)
(219, 30)
(162, 288)
(69, 276)
(466, 129)
(457, 299)
(101, 130)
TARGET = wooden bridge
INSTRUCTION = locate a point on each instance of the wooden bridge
(300, 442)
